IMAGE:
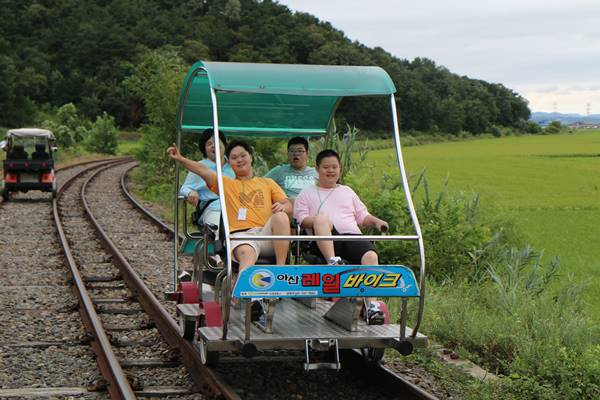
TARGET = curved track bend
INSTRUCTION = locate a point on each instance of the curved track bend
(123, 262)
(394, 384)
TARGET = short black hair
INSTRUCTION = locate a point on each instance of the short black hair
(206, 136)
(240, 143)
(327, 153)
(298, 140)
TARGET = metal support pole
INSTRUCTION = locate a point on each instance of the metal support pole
(413, 214)
(176, 205)
(227, 303)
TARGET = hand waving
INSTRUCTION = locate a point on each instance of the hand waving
(173, 152)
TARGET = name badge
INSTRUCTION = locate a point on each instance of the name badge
(242, 214)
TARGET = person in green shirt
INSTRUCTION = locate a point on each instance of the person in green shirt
(296, 175)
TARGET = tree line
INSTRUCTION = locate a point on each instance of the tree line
(54, 52)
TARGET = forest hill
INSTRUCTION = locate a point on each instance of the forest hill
(81, 52)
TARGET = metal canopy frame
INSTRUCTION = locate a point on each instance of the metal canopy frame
(273, 99)
(30, 132)
(218, 95)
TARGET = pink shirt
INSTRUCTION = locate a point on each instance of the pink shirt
(340, 204)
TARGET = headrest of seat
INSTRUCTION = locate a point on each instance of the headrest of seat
(18, 148)
(40, 147)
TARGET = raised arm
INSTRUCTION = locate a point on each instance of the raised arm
(200, 169)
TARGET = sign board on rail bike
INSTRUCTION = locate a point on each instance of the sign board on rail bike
(326, 281)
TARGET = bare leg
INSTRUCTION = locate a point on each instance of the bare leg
(245, 255)
(322, 226)
(370, 258)
(280, 225)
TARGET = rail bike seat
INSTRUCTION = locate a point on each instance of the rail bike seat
(40, 152)
(307, 250)
(17, 153)
(205, 230)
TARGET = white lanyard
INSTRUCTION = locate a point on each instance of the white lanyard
(325, 199)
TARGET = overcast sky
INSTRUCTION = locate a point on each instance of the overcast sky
(548, 51)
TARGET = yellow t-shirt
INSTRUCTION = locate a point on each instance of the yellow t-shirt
(256, 195)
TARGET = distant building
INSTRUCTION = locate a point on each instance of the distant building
(584, 125)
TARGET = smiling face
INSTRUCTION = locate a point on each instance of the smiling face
(329, 172)
(240, 161)
(297, 156)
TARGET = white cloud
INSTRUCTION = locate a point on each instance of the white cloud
(519, 43)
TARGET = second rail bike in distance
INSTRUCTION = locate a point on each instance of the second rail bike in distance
(29, 163)
(284, 100)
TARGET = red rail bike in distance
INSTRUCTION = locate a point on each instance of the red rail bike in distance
(29, 163)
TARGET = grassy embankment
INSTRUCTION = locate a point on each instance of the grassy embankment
(546, 341)
(548, 185)
(549, 181)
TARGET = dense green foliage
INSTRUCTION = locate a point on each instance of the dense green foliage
(547, 185)
(102, 136)
(68, 126)
(56, 52)
(155, 80)
(490, 296)
(72, 130)
(500, 305)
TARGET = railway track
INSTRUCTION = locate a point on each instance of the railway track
(44, 351)
(396, 386)
(133, 358)
(124, 263)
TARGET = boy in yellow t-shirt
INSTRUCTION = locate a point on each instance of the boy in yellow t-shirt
(255, 206)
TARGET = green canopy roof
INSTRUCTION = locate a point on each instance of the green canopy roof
(273, 98)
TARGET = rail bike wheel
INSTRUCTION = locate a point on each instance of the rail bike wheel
(208, 358)
(189, 330)
(372, 355)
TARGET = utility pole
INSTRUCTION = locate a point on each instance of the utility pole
(554, 107)
(587, 109)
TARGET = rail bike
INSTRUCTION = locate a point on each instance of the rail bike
(313, 308)
(29, 163)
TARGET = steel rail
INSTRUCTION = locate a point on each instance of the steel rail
(109, 365)
(203, 376)
(385, 377)
(352, 359)
(147, 214)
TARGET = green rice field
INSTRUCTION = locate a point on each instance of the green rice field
(548, 185)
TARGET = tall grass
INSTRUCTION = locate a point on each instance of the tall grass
(491, 295)
(548, 186)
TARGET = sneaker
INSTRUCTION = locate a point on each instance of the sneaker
(185, 276)
(215, 261)
(334, 261)
(257, 312)
(374, 314)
